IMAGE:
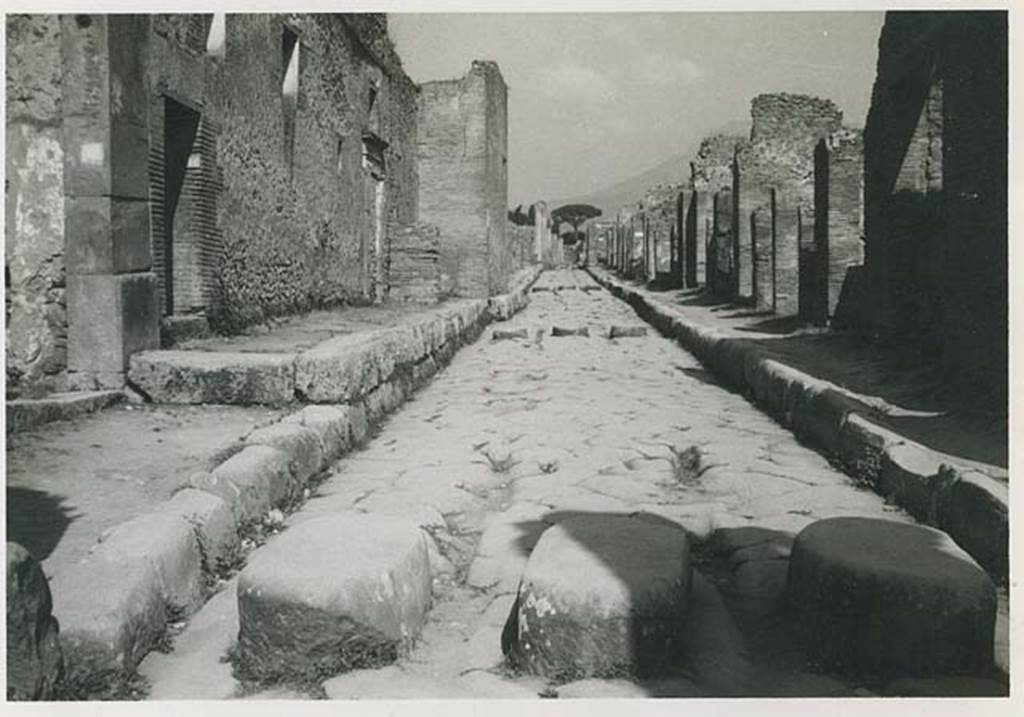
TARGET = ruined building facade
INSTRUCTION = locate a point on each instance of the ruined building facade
(168, 174)
(935, 155)
(898, 230)
(463, 151)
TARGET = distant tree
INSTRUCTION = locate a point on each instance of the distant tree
(573, 237)
(574, 215)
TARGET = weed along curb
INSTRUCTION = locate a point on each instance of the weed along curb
(148, 573)
(969, 505)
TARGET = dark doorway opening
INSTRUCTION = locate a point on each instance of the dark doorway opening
(181, 123)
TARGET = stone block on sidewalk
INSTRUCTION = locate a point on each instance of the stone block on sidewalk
(347, 368)
(332, 594)
(34, 659)
(626, 332)
(602, 595)
(214, 377)
(882, 598)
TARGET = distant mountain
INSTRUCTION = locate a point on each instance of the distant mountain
(675, 168)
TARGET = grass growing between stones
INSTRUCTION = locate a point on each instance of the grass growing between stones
(307, 674)
(865, 470)
(499, 465)
(83, 682)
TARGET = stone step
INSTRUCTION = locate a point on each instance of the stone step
(876, 597)
(333, 593)
(602, 595)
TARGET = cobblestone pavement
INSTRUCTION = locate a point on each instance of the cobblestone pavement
(516, 432)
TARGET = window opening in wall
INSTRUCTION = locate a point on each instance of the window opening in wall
(339, 155)
(290, 51)
(216, 38)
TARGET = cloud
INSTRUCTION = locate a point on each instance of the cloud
(660, 68)
(576, 83)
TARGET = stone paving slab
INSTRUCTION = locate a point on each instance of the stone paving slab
(934, 487)
(607, 401)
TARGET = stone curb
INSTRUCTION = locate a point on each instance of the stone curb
(971, 506)
(114, 605)
(24, 414)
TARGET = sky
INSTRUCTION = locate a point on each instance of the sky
(596, 98)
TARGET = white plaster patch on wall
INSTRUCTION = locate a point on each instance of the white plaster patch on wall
(92, 153)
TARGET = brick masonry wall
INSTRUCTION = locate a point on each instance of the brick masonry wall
(462, 151)
(415, 271)
(34, 261)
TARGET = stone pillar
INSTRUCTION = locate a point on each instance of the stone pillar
(812, 308)
(724, 248)
(679, 243)
(540, 218)
(112, 299)
(838, 206)
(691, 259)
(744, 199)
(762, 237)
(786, 251)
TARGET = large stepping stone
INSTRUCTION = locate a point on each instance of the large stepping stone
(881, 598)
(34, 660)
(330, 594)
(602, 595)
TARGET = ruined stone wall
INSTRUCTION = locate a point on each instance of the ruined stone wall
(710, 172)
(519, 239)
(659, 211)
(462, 153)
(188, 178)
(779, 156)
(34, 262)
(935, 153)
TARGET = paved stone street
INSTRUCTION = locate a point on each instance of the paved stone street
(520, 433)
